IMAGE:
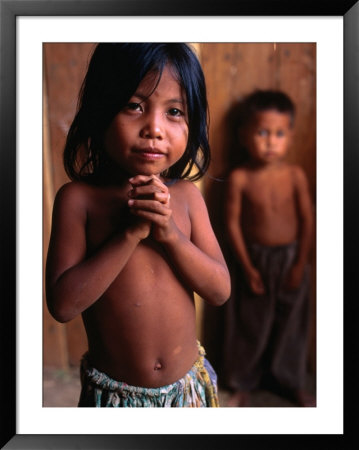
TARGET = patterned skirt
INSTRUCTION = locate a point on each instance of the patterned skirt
(198, 388)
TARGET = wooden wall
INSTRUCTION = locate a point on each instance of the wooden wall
(231, 70)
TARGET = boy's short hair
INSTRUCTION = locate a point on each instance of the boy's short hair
(242, 112)
(265, 100)
(114, 73)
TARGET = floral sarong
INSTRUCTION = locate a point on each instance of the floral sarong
(198, 388)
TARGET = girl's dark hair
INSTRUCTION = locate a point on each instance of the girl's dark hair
(114, 73)
(243, 112)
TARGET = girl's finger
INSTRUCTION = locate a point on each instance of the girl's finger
(163, 197)
(148, 180)
(147, 190)
(144, 179)
(149, 205)
(153, 194)
(150, 216)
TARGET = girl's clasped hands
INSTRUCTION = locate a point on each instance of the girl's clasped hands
(150, 200)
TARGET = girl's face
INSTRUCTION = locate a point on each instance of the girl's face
(150, 133)
(268, 136)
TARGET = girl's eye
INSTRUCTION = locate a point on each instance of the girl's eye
(280, 133)
(262, 132)
(175, 112)
(133, 106)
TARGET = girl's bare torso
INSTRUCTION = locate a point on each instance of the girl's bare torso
(142, 330)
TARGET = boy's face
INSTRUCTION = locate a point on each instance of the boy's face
(268, 136)
(150, 134)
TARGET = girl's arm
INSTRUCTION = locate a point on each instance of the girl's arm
(73, 281)
(233, 210)
(198, 260)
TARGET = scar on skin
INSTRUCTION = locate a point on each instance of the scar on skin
(150, 268)
(177, 350)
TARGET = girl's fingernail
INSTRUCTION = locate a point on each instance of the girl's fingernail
(131, 202)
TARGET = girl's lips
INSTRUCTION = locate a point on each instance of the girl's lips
(150, 153)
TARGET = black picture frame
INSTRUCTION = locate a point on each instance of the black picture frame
(9, 10)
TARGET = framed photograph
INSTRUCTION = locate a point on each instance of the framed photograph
(25, 26)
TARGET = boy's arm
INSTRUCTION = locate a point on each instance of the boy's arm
(198, 260)
(233, 210)
(73, 280)
(305, 216)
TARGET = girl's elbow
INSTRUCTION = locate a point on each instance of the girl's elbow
(58, 311)
(61, 318)
(218, 299)
(221, 299)
(60, 315)
(222, 293)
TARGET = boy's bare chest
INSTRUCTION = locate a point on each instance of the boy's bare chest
(270, 192)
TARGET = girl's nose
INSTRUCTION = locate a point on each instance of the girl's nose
(152, 127)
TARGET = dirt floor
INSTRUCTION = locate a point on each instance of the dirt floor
(62, 389)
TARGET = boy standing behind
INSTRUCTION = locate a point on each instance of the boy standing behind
(269, 219)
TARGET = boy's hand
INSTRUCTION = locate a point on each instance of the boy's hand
(255, 282)
(294, 278)
(150, 200)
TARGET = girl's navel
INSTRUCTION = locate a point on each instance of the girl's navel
(158, 366)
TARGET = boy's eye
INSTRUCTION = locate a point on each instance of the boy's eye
(280, 133)
(262, 132)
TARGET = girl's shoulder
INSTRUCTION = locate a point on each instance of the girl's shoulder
(74, 193)
(184, 187)
(74, 188)
(186, 192)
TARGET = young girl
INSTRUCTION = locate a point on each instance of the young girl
(131, 240)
